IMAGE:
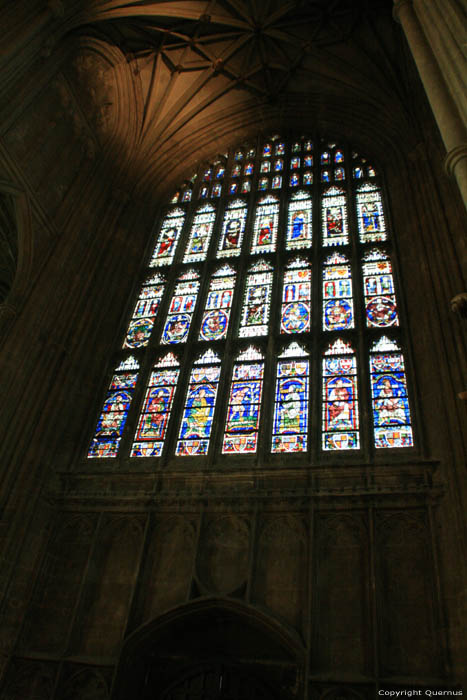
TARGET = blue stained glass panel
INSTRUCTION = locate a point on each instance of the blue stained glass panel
(109, 429)
(371, 221)
(196, 425)
(215, 321)
(378, 289)
(144, 314)
(338, 311)
(296, 298)
(181, 308)
(200, 234)
(290, 426)
(391, 410)
(243, 413)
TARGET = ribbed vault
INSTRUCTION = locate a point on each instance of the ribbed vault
(201, 76)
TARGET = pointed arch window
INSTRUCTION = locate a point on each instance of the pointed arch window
(286, 245)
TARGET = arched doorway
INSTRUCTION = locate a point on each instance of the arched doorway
(218, 683)
(211, 650)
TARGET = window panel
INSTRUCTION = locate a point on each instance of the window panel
(340, 398)
(299, 225)
(215, 321)
(296, 297)
(112, 419)
(157, 407)
(144, 314)
(371, 222)
(265, 226)
(181, 308)
(378, 289)
(243, 413)
(200, 402)
(233, 229)
(334, 217)
(338, 311)
(169, 235)
(290, 426)
(200, 234)
(256, 301)
(391, 411)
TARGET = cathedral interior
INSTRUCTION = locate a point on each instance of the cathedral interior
(312, 561)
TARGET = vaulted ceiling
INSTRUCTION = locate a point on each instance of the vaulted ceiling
(167, 84)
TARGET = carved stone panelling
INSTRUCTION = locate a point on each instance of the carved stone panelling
(404, 594)
(280, 571)
(109, 587)
(222, 565)
(341, 598)
(168, 567)
(56, 593)
(84, 685)
(28, 680)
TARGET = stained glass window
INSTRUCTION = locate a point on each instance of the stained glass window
(340, 398)
(371, 223)
(290, 424)
(233, 229)
(243, 412)
(145, 312)
(112, 419)
(200, 234)
(296, 297)
(182, 305)
(263, 236)
(338, 311)
(334, 217)
(391, 412)
(167, 240)
(215, 321)
(157, 406)
(265, 226)
(378, 289)
(200, 401)
(257, 300)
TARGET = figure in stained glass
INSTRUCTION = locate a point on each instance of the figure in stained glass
(216, 315)
(109, 429)
(308, 178)
(278, 165)
(371, 221)
(294, 180)
(265, 227)
(391, 411)
(196, 424)
(276, 182)
(334, 217)
(200, 234)
(378, 287)
(296, 298)
(168, 238)
(340, 407)
(181, 309)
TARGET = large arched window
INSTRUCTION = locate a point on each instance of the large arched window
(269, 321)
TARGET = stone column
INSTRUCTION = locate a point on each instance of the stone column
(452, 128)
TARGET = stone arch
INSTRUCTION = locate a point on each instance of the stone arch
(16, 239)
(211, 633)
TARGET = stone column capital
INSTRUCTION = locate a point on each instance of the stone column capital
(454, 156)
(398, 6)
